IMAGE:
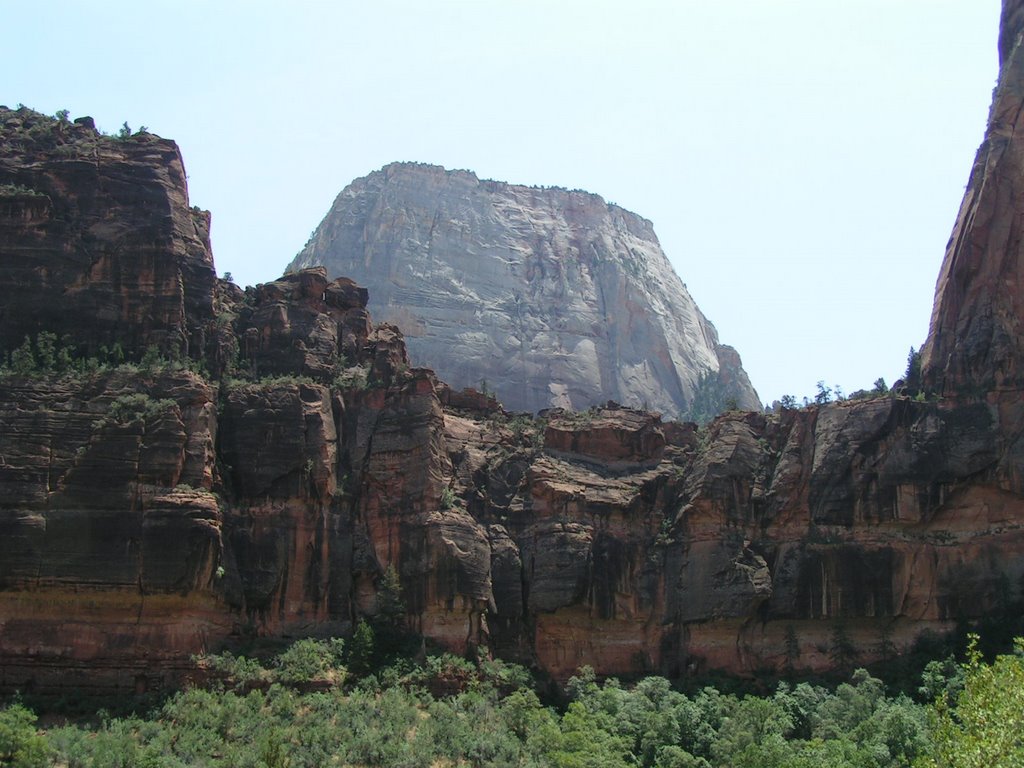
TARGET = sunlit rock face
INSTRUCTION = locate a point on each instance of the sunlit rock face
(545, 296)
(975, 343)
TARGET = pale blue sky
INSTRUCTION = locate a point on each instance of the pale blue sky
(802, 160)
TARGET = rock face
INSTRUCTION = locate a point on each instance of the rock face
(111, 536)
(549, 297)
(975, 344)
(99, 228)
(148, 513)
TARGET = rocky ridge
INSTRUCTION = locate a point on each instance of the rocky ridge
(548, 297)
(149, 512)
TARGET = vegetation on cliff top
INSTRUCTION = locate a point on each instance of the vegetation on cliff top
(31, 133)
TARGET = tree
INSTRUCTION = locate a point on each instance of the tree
(20, 745)
(753, 723)
(824, 393)
(390, 606)
(841, 650)
(788, 402)
(985, 726)
(308, 659)
(886, 648)
(912, 377)
(361, 648)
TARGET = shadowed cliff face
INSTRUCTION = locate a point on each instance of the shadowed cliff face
(150, 513)
(551, 297)
(98, 240)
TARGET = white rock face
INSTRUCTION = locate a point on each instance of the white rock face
(547, 297)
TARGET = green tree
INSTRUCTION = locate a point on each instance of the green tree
(912, 376)
(20, 745)
(754, 723)
(390, 605)
(984, 728)
(361, 648)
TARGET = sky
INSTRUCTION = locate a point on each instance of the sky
(802, 160)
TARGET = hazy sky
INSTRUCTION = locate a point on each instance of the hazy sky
(802, 160)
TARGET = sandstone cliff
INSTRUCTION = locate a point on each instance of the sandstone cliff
(550, 297)
(100, 228)
(975, 344)
(149, 511)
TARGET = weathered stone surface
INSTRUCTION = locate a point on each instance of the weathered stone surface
(975, 341)
(149, 515)
(302, 324)
(279, 440)
(111, 536)
(613, 437)
(549, 297)
(99, 229)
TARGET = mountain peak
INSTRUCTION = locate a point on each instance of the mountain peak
(547, 296)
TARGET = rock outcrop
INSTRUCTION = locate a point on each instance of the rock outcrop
(975, 343)
(100, 228)
(548, 297)
(149, 512)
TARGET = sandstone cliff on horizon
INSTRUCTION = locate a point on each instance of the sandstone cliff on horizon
(548, 297)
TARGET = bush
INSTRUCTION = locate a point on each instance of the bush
(125, 409)
(238, 670)
(20, 745)
(308, 659)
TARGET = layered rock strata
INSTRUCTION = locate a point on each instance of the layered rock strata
(100, 229)
(545, 296)
(149, 512)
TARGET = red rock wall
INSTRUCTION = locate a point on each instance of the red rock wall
(146, 516)
(100, 244)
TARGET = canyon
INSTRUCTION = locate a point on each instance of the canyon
(249, 463)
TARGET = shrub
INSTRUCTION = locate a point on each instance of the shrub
(310, 659)
(20, 745)
(447, 498)
(238, 670)
(131, 407)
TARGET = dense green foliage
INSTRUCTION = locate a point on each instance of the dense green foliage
(47, 357)
(306, 708)
(980, 723)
